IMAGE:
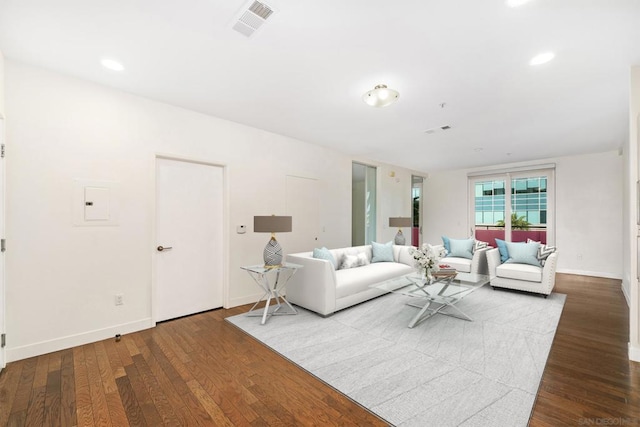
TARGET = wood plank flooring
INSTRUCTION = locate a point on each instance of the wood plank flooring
(202, 371)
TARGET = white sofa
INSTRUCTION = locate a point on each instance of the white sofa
(476, 265)
(523, 277)
(321, 288)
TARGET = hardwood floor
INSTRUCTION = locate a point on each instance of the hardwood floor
(589, 379)
(200, 370)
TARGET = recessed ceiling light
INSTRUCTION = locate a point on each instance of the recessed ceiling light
(112, 64)
(542, 58)
(516, 3)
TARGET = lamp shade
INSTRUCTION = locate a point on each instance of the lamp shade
(271, 224)
(272, 253)
(400, 222)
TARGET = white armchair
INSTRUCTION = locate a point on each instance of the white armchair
(523, 277)
(476, 265)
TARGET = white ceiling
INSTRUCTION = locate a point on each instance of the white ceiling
(304, 72)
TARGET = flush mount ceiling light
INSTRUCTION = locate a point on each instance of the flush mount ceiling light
(112, 64)
(542, 58)
(380, 96)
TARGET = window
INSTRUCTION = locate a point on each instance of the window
(524, 215)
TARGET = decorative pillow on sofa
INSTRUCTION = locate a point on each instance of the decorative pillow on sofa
(523, 253)
(382, 252)
(353, 260)
(445, 243)
(504, 252)
(544, 251)
(479, 244)
(324, 253)
(461, 248)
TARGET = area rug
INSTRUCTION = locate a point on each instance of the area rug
(443, 372)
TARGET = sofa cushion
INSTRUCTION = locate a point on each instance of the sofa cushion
(382, 252)
(462, 265)
(324, 253)
(354, 280)
(523, 253)
(461, 248)
(512, 270)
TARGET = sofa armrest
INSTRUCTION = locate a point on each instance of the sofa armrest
(401, 254)
(549, 273)
(314, 286)
(493, 261)
(479, 261)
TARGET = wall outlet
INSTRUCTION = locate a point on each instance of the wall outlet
(119, 299)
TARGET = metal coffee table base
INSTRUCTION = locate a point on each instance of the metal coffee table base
(426, 312)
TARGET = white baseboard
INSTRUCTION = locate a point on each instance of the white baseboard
(250, 299)
(634, 353)
(626, 295)
(590, 273)
(62, 343)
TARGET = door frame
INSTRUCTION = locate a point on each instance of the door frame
(3, 283)
(154, 236)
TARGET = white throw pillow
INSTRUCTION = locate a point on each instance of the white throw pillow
(353, 260)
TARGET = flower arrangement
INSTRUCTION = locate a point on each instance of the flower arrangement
(426, 259)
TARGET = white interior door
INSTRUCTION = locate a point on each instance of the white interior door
(189, 247)
(303, 204)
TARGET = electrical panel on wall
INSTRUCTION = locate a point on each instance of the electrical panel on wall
(95, 203)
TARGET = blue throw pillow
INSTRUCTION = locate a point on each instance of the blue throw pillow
(382, 252)
(461, 248)
(504, 252)
(445, 243)
(523, 253)
(324, 253)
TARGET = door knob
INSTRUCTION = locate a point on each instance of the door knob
(162, 248)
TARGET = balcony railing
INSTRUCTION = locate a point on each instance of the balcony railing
(488, 233)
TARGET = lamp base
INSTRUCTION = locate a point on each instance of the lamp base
(400, 240)
(272, 254)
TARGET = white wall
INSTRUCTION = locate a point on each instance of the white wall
(1, 84)
(589, 203)
(61, 279)
(632, 228)
(395, 184)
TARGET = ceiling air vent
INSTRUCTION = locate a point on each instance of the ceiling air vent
(438, 129)
(252, 18)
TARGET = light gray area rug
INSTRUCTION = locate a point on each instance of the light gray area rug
(443, 372)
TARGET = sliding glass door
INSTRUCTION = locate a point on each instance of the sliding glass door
(527, 213)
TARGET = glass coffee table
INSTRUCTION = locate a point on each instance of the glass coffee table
(437, 297)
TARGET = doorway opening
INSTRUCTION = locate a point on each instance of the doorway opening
(363, 204)
(416, 211)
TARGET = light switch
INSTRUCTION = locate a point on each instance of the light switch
(96, 203)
